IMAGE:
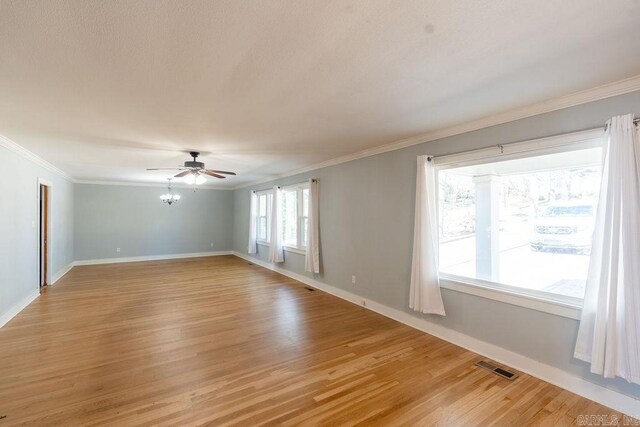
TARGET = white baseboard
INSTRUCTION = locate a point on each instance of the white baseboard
(62, 272)
(610, 398)
(150, 258)
(18, 307)
(22, 304)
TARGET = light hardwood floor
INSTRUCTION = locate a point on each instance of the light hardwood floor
(218, 340)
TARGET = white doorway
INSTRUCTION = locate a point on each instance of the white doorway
(44, 234)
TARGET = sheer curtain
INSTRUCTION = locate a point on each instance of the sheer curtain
(253, 218)
(312, 258)
(609, 333)
(276, 251)
(425, 294)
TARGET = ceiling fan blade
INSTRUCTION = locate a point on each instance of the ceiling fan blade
(181, 174)
(163, 169)
(213, 174)
(226, 173)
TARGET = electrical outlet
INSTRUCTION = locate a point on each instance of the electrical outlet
(117, 249)
(353, 280)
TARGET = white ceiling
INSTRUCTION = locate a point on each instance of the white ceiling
(104, 89)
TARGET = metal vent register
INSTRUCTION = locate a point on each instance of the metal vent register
(498, 371)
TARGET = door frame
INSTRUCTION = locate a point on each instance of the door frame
(49, 185)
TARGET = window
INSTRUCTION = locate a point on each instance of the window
(523, 224)
(295, 206)
(264, 216)
(290, 217)
(295, 212)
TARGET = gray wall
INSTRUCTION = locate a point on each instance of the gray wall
(366, 229)
(134, 219)
(19, 226)
(366, 222)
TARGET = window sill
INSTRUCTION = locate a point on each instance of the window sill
(569, 309)
(295, 250)
(286, 248)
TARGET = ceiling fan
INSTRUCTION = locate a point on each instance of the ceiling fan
(194, 172)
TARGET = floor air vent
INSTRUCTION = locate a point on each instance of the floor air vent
(498, 371)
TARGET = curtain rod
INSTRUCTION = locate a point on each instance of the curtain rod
(312, 179)
(501, 146)
(635, 122)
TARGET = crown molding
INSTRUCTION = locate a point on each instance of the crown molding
(29, 155)
(150, 184)
(20, 150)
(609, 90)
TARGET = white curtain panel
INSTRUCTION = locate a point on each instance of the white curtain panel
(276, 251)
(253, 227)
(609, 333)
(425, 294)
(312, 258)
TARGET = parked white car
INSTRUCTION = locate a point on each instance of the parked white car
(564, 227)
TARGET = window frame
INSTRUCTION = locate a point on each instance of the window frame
(269, 194)
(299, 247)
(548, 302)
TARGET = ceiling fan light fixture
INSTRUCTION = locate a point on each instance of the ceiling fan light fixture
(194, 178)
(190, 179)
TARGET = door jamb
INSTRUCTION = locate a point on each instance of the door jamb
(49, 184)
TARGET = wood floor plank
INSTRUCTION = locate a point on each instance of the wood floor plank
(221, 341)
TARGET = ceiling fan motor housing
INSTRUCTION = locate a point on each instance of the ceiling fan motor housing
(194, 164)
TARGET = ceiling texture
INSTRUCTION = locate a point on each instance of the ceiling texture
(103, 89)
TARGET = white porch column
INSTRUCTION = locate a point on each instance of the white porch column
(487, 233)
